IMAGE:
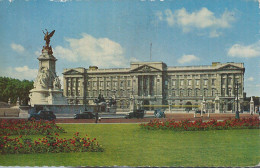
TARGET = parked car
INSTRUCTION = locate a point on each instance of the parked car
(158, 113)
(43, 115)
(199, 111)
(135, 114)
(84, 115)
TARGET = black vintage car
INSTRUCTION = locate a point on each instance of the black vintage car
(84, 115)
(199, 111)
(42, 115)
(136, 114)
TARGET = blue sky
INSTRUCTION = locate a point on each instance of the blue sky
(113, 33)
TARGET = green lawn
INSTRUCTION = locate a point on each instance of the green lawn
(128, 145)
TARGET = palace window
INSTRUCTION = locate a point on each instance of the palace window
(205, 92)
(128, 83)
(181, 82)
(197, 92)
(205, 82)
(189, 92)
(229, 80)
(223, 92)
(115, 84)
(101, 83)
(166, 83)
(128, 92)
(213, 92)
(189, 82)
(68, 83)
(78, 92)
(95, 93)
(229, 92)
(197, 82)
(108, 84)
(213, 82)
(121, 83)
(94, 83)
(223, 81)
(173, 92)
(173, 82)
(181, 92)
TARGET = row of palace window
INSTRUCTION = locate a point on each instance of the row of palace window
(73, 92)
(109, 93)
(197, 92)
(188, 92)
(228, 80)
(109, 83)
(189, 82)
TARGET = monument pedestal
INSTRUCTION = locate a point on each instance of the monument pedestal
(44, 96)
(47, 87)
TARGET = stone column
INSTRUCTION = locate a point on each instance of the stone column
(170, 106)
(217, 104)
(226, 87)
(18, 102)
(203, 105)
(77, 85)
(148, 86)
(71, 87)
(252, 106)
(132, 103)
(138, 105)
(142, 86)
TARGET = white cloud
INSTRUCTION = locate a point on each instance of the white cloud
(187, 58)
(250, 51)
(19, 72)
(214, 33)
(133, 59)
(250, 79)
(159, 15)
(202, 19)
(38, 53)
(169, 17)
(101, 52)
(17, 47)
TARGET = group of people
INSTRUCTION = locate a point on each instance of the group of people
(101, 100)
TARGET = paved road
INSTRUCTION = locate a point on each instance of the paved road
(176, 117)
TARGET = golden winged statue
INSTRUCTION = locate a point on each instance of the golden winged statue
(48, 36)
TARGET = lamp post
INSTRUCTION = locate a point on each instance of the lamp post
(237, 112)
(202, 106)
(84, 96)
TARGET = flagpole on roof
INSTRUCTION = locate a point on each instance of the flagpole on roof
(151, 51)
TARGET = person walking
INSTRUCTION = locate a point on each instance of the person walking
(96, 116)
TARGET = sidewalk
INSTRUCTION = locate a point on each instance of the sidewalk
(176, 117)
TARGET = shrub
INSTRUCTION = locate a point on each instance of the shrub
(25, 127)
(199, 125)
(48, 144)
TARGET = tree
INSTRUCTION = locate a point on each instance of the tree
(13, 88)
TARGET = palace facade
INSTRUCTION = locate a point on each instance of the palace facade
(154, 83)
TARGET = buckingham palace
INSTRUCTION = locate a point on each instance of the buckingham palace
(154, 84)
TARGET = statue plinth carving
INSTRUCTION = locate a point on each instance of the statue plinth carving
(47, 86)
